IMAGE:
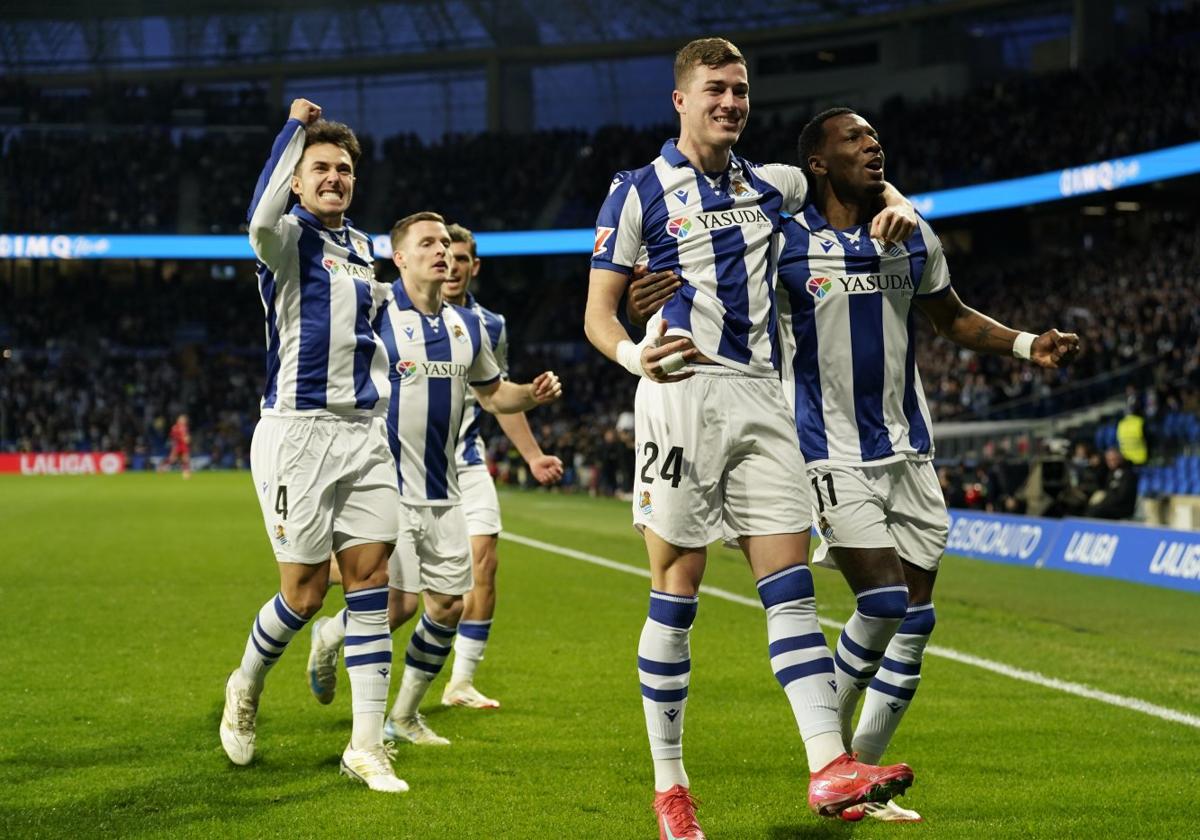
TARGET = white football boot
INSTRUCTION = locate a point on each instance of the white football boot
(465, 694)
(237, 721)
(322, 665)
(373, 767)
(414, 730)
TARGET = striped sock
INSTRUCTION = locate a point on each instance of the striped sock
(892, 689)
(368, 663)
(468, 649)
(273, 628)
(664, 669)
(428, 648)
(861, 646)
(801, 661)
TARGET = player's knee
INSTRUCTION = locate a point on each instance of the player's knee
(401, 607)
(305, 601)
(446, 612)
(890, 602)
(919, 621)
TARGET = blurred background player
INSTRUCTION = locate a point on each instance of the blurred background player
(847, 332)
(479, 499)
(435, 351)
(319, 457)
(181, 447)
(715, 443)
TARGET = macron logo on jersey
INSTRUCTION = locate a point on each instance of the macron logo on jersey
(407, 370)
(716, 220)
(859, 284)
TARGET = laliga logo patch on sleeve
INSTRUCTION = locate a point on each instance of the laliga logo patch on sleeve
(602, 236)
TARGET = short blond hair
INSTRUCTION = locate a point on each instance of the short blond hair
(711, 52)
(401, 227)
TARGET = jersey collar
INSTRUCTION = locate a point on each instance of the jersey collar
(403, 301)
(301, 213)
(676, 158)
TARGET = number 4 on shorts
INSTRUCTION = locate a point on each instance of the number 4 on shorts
(672, 466)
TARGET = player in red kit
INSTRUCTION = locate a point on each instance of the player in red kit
(181, 446)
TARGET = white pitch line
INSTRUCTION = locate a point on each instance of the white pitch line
(1078, 689)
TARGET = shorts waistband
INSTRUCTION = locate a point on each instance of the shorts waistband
(719, 370)
(360, 419)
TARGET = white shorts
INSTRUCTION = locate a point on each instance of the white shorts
(324, 483)
(433, 551)
(717, 453)
(479, 501)
(897, 505)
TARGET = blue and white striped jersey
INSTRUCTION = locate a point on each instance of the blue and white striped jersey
(847, 330)
(432, 359)
(714, 230)
(319, 292)
(472, 450)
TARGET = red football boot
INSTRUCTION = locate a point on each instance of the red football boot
(676, 811)
(844, 782)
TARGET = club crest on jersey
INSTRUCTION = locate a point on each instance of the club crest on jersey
(679, 228)
(360, 248)
(460, 334)
(281, 535)
(644, 503)
(602, 237)
(818, 287)
(895, 249)
(739, 188)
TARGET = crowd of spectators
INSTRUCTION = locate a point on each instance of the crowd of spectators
(1129, 293)
(153, 157)
(104, 355)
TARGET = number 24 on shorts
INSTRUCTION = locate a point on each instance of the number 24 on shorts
(672, 465)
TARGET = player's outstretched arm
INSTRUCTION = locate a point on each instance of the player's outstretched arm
(275, 183)
(969, 328)
(648, 293)
(547, 469)
(504, 397)
(609, 337)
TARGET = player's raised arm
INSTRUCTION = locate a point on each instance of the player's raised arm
(972, 329)
(275, 183)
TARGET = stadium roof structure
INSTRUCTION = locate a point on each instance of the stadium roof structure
(66, 41)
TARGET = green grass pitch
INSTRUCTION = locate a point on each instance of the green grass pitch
(126, 602)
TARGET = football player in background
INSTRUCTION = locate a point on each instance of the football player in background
(436, 351)
(479, 499)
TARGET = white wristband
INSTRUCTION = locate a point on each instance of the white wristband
(629, 356)
(1023, 345)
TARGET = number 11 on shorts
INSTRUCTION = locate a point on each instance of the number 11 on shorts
(817, 491)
